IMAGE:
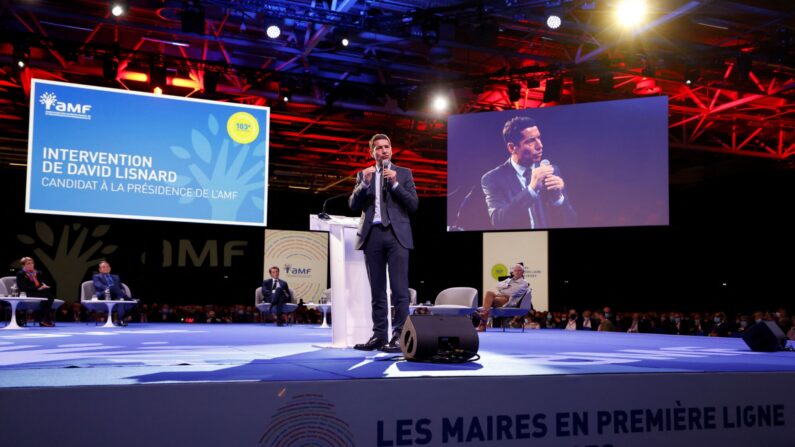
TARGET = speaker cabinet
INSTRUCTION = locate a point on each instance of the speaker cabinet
(429, 338)
(765, 336)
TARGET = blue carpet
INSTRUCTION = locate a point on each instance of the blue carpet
(79, 354)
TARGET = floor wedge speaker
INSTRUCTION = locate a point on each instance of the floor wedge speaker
(765, 336)
(437, 338)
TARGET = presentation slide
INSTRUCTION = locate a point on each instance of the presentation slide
(114, 153)
(601, 164)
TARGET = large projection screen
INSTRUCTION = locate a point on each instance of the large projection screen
(112, 153)
(610, 157)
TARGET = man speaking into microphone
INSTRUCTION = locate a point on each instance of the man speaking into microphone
(526, 191)
(385, 194)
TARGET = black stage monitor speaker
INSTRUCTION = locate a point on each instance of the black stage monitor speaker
(436, 338)
(765, 336)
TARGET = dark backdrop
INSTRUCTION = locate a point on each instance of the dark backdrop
(729, 226)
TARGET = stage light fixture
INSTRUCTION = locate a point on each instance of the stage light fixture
(118, 8)
(630, 13)
(157, 75)
(21, 55)
(514, 92)
(554, 21)
(440, 103)
(273, 31)
(553, 89)
(285, 94)
(691, 75)
(345, 42)
(157, 91)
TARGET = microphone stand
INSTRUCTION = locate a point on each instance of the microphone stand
(323, 214)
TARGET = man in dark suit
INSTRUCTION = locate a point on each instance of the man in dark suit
(526, 191)
(277, 292)
(385, 194)
(31, 282)
(107, 285)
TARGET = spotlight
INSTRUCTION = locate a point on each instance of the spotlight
(273, 31)
(554, 21)
(514, 92)
(157, 91)
(691, 75)
(440, 103)
(118, 8)
(345, 42)
(630, 13)
(21, 55)
(285, 94)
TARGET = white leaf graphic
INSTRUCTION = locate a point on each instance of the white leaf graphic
(180, 152)
(201, 145)
(212, 124)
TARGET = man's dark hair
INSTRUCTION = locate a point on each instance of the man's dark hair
(512, 132)
(270, 270)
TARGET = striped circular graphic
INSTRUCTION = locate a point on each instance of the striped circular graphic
(307, 420)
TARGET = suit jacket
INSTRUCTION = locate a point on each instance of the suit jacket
(508, 202)
(279, 296)
(400, 202)
(25, 284)
(101, 284)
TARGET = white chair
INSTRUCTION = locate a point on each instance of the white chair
(455, 301)
(265, 308)
(7, 283)
(88, 295)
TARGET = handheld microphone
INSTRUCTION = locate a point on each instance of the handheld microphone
(384, 181)
(544, 162)
(323, 214)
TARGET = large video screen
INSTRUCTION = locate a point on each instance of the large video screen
(113, 153)
(599, 164)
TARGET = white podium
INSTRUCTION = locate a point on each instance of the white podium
(351, 311)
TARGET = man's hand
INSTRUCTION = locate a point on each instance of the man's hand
(43, 287)
(390, 175)
(368, 175)
(538, 175)
(554, 184)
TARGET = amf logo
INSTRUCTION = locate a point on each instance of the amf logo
(53, 107)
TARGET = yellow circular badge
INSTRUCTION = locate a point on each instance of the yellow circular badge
(499, 270)
(242, 127)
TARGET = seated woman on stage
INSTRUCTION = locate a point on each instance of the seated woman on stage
(30, 281)
(509, 292)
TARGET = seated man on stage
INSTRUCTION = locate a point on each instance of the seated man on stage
(276, 292)
(509, 293)
(107, 285)
(30, 282)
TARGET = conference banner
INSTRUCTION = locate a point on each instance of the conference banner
(96, 151)
(502, 250)
(302, 258)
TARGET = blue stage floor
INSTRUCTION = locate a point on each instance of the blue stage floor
(79, 355)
